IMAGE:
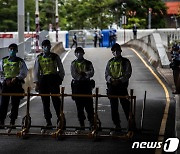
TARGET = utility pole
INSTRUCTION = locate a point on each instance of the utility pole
(37, 25)
(21, 28)
(28, 27)
(57, 21)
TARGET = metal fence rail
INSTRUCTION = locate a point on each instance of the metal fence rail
(60, 131)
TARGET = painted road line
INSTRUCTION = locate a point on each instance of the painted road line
(166, 110)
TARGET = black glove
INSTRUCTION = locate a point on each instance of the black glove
(83, 74)
(115, 81)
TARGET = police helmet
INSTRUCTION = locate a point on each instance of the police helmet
(46, 43)
(13, 46)
(79, 50)
(116, 47)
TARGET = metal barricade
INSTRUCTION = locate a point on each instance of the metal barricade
(60, 132)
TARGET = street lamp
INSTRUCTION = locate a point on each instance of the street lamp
(37, 25)
(175, 20)
(57, 21)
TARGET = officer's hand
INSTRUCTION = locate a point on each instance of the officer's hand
(14, 80)
(37, 87)
(115, 81)
(8, 82)
(83, 74)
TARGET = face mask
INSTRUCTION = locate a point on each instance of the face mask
(116, 53)
(79, 55)
(46, 49)
(12, 53)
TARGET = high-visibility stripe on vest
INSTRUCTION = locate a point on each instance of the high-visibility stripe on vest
(11, 69)
(48, 65)
(80, 66)
(116, 69)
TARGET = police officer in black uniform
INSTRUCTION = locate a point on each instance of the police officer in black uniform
(117, 74)
(175, 65)
(82, 70)
(13, 71)
(48, 76)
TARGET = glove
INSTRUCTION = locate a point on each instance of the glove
(8, 82)
(14, 80)
(115, 81)
(83, 74)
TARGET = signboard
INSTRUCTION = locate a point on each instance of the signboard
(29, 35)
(6, 35)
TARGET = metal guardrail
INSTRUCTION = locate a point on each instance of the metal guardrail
(61, 132)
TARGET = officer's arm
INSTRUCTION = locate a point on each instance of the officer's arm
(74, 72)
(1, 73)
(90, 72)
(127, 72)
(107, 73)
(1, 69)
(36, 71)
(60, 67)
(23, 71)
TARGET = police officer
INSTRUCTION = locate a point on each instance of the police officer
(13, 71)
(48, 75)
(175, 65)
(74, 41)
(117, 74)
(82, 70)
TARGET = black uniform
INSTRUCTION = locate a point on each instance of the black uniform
(48, 81)
(12, 85)
(118, 85)
(81, 84)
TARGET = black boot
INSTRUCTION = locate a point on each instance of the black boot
(82, 125)
(49, 124)
(1, 124)
(12, 123)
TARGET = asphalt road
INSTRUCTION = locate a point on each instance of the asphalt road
(141, 80)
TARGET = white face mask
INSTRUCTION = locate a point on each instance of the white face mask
(116, 53)
(79, 55)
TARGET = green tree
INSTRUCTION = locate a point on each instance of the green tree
(79, 14)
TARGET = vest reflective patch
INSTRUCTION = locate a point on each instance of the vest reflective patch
(11, 69)
(80, 66)
(48, 65)
(116, 69)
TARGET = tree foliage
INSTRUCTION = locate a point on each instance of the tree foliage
(89, 14)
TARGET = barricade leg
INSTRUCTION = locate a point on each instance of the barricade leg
(97, 122)
(26, 121)
(61, 124)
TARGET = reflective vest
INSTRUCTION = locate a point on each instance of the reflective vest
(80, 66)
(11, 69)
(48, 65)
(116, 69)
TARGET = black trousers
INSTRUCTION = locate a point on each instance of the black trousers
(120, 90)
(176, 75)
(74, 43)
(83, 87)
(15, 100)
(48, 85)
